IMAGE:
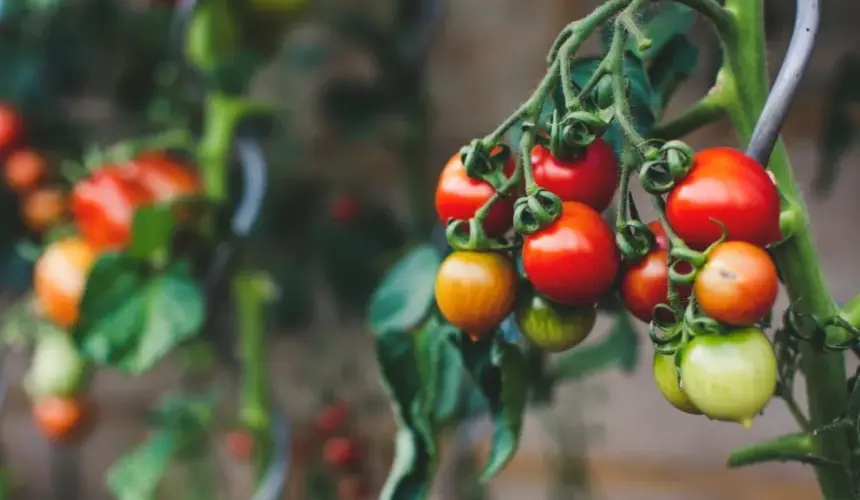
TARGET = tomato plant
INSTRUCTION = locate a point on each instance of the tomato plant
(554, 327)
(645, 285)
(590, 178)
(163, 178)
(573, 261)
(738, 285)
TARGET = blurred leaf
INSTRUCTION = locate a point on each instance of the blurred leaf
(499, 370)
(405, 295)
(152, 230)
(673, 64)
(131, 319)
(619, 348)
(138, 474)
(839, 126)
(660, 22)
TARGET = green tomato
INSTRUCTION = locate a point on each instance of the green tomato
(666, 378)
(56, 368)
(554, 327)
(730, 377)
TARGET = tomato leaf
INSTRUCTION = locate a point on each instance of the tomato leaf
(405, 295)
(499, 370)
(660, 22)
(152, 230)
(839, 126)
(130, 319)
(138, 474)
(674, 63)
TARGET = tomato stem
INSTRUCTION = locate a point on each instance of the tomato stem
(747, 83)
(851, 311)
(709, 109)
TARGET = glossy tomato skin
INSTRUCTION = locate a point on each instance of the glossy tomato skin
(163, 177)
(475, 291)
(11, 126)
(24, 170)
(725, 185)
(60, 277)
(738, 285)
(58, 417)
(666, 378)
(590, 178)
(458, 196)
(645, 284)
(43, 208)
(574, 260)
(554, 327)
(730, 377)
(103, 207)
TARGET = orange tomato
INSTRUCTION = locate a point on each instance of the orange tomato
(475, 291)
(43, 208)
(60, 278)
(738, 285)
(58, 417)
(24, 169)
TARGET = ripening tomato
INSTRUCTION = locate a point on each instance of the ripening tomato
(574, 260)
(43, 208)
(591, 178)
(730, 377)
(730, 187)
(340, 451)
(240, 445)
(738, 284)
(163, 177)
(24, 170)
(333, 418)
(458, 196)
(661, 239)
(11, 126)
(103, 207)
(58, 417)
(554, 327)
(59, 279)
(475, 291)
(645, 284)
(666, 378)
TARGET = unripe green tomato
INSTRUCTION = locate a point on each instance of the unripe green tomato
(554, 327)
(211, 35)
(666, 378)
(56, 368)
(730, 377)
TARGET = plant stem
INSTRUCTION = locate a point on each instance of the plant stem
(707, 110)
(250, 297)
(851, 311)
(747, 81)
(781, 448)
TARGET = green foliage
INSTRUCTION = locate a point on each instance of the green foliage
(839, 127)
(619, 348)
(405, 296)
(131, 317)
(152, 230)
(660, 22)
(182, 430)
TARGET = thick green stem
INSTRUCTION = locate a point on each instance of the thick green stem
(707, 110)
(250, 297)
(747, 81)
(851, 312)
(223, 113)
(783, 448)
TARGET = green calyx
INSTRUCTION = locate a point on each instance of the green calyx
(536, 211)
(672, 163)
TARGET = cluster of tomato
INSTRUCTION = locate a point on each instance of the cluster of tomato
(725, 210)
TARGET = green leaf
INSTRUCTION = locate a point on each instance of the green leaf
(838, 128)
(660, 22)
(499, 370)
(619, 348)
(152, 230)
(672, 65)
(138, 474)
(130, 319)
(405, 295)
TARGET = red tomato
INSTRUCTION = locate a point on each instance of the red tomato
(728, 186)
(333, 419)
(591, 178)
(661, 239)
(646, 284)
(11, 126)
(574, 261)
(165, 178)
(240, 445)
(738, 285)
(458, 196)
(340, 452)
(103, 207)
(24, 170)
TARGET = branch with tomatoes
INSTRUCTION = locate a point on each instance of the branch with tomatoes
(528, 246)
